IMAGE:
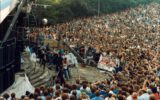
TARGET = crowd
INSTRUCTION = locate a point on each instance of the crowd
(99, 90)
(131, 36)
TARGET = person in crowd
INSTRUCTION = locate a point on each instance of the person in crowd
(152, 97)
(97, 97)
(65, 96)
(84, 96)
(6, 96)
(1, 98)
(144, 95)
(13, 96)
(155, 92)
(134, 96)
(76, 90)
(72, 97)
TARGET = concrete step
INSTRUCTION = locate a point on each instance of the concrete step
(37, 80)
(43, 82)
(34, 79)
(31, 71)
(36, 75)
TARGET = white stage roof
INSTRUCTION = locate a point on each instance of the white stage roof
(6, 6)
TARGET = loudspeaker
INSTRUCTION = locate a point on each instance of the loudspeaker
(1, 82)
(1, 58)
(12, 51)
(9, 54)
(5, 56)
(12, 73)
(7, 79)
(17, 58)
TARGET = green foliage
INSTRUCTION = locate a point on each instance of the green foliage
(63, 10)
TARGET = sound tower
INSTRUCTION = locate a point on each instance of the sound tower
(1, 58)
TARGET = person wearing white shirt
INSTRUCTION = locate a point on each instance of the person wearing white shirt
(144, 96)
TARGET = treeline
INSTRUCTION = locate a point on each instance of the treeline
(64, 10)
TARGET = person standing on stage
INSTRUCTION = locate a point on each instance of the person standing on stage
(43, 59)
(60, 75)
(59, 61)
(65, 68)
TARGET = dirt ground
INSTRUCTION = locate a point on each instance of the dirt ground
(88, 73)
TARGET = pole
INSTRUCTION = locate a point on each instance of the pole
(98, 7)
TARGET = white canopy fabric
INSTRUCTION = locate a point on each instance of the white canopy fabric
(6, 6)
(20, 86)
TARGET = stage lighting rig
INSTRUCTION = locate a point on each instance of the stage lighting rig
(30, 3)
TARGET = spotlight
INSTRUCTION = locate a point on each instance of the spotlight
(44, 21)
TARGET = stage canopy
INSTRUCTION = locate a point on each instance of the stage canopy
(6, 6)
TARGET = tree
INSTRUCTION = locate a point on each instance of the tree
(62, 10)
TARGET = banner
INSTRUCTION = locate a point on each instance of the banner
(106, 64)
(6, 6)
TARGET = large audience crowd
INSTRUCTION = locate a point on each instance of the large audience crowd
(132, 36)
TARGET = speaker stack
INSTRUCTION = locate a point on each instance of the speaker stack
(7, 67)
